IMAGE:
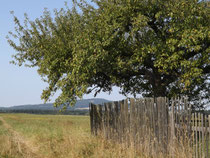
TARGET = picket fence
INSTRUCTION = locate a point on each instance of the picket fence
(160, 123)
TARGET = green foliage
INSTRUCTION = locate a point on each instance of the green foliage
(155, 47)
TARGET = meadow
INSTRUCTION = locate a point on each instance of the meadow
(54, 136)
(63, 136)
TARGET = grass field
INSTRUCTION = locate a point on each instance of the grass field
(53, 136)
(62, 136)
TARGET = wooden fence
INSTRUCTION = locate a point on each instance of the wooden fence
(157, 124)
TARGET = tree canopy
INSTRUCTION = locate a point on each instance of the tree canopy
(149, 47)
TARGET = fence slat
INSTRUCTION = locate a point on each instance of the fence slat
(207, 133)
(193, 133)
(200, 136)
(196, 134)
(203, 138)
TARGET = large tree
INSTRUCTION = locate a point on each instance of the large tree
(149, 47)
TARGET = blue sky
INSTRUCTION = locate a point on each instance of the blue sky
(21, 85)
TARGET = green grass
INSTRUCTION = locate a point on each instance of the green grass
(46, 125)
(53, 136)
(59, 136)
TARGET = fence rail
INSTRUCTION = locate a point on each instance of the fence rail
(160, 123)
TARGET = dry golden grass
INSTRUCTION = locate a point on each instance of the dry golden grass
(56, 136)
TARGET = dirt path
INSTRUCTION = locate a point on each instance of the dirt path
(25, 147)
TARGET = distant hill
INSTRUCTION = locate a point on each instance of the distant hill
(80, 105)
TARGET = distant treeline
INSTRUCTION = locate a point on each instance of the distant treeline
(50, 112)
(58, 112)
